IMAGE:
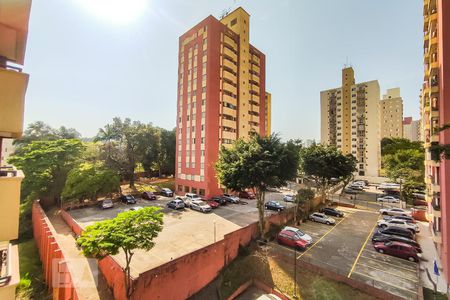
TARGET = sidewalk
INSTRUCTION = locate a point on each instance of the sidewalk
(428, 256)
(85, 271)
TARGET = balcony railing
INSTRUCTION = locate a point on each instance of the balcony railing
(5, 264)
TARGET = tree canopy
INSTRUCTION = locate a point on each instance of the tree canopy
(393, 145)
(257, 163)
(127, 232)
(40, 131)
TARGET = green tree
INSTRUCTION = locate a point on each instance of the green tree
(393, 145)
(46, 165)
(127, 232)
(326, 166)
(303, 198)
(40, 131)
(89, 181)
(257, 163)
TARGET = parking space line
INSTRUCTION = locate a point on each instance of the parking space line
(361, 250)
(383, 262)
(401, 277)
(384, 282)
(313, 245)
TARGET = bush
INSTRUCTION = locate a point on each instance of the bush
(25, 225)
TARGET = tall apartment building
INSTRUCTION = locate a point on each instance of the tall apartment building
(435, 110)
(350, 121)
(411, 129)
(391, 114)
(221, 97)
(6, 150)
(14, 16)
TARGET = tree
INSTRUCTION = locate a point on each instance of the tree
(393, 145)
(46, 165)
(257, 163)
(125, 143)
(40, 131)
(326, 166)
(127, 232)
(304, 198)
(90, 180)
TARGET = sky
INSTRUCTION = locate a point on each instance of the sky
(92, 60)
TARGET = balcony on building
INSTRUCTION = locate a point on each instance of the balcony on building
(10, 181)
(9, 270)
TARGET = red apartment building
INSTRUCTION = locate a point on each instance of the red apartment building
(221, 97)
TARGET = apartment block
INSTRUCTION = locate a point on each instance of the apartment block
(435, 112)
(268, 113)
(221, 97)
(411, 129)
(350, 121)
(391, 114)
(14, 16)
(6, 150)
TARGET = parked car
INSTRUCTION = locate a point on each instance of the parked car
(389, 199)
(322, 218)
(148, 196)
(176, 204)
(350, 191)
(136, 208)
(219, 200)
(330, 211)
(247, 195)
(107, 203)
(212, 203)
(420, 202)
(377, 238)
(291, 239)
(396, 231)
(394, 212)
(363, 182)
(289, 198)
(128, 199)
(231, 198)
(274, 205)
(398, 249)
(166, 192)
(407, 219)
(192, 196)
(398, 223)
(200, 206)
(300, 233)
(356, 187)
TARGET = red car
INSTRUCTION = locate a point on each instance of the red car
(212, 203)
(247, 195)
(291, 239)
(148, 196)
(398, 249)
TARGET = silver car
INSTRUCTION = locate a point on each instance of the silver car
(322, 218)
(200, 206)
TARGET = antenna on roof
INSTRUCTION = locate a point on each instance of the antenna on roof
(347, 63)
(225, 12)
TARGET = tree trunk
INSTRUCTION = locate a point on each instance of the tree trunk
(128, 282)
(260, 205)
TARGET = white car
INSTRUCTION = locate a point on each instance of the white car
(289, 198)
(394, 212)
(398, 223)
(136, 208)
(200, 206)
(307, 238)
(322, 218)
(192, 196)
(389, 199)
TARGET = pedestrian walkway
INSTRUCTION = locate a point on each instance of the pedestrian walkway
(89, 282)
(427, 262)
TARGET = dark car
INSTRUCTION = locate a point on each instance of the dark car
(332, 212)
(247, 195)
(398, 250)
(407, 219)
(148, 196)
(382, 238)
(231, 198)
(397, 231)
(350, 191)
(291, 239)
(220, 200)
(128, 199)
(274, 205)
(166, 192)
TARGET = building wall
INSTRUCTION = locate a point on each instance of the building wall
(391, 114)
(7, 149)
(268, 115)
(411, 131)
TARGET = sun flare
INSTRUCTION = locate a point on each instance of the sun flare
(115, 11)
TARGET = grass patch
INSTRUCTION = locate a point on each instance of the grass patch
(280, 274)
(428, 294)
(31, 284)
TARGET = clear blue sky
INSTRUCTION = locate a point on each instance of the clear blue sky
(88, 64)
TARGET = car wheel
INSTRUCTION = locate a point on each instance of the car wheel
(328, 223)
(383, 226)
(411, 259)
(384, 213)
(278, 210)
(380, 251)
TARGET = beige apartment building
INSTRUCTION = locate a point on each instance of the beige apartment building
(14, 16)
(350, 120)
(411, 129)
(7, 149)
(391, 114)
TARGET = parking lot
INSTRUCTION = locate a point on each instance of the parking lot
(346, 249)
(184, 231)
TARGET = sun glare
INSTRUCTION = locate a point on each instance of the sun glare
(115, 11)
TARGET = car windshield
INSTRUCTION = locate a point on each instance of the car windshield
(299, 233)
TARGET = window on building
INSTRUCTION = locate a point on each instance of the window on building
(180, 188)
(233, 22)
(186, 189)
(201, 192)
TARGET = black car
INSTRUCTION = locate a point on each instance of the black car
(407, 219)
(274, 205)
(382, 238)
(330, 211)
(350, 191)
(397, 231)
(166, 192)
(220, 200)
(128, 199)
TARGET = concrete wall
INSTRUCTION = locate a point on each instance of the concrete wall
(49, 251)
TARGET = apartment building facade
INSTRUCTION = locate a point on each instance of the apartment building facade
(411, 129)
(14, 16)
(350, 121)
(221, 97)
(391, 114)
(435, 112)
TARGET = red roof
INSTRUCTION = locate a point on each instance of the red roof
(407, 120)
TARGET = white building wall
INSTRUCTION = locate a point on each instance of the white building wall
(373, 156)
